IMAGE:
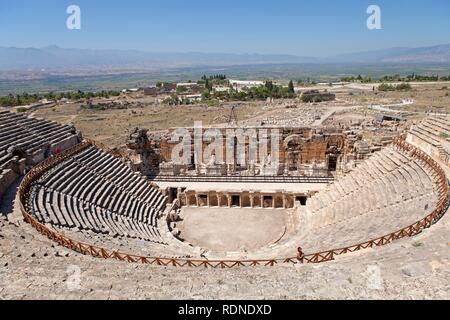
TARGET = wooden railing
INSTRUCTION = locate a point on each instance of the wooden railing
(99, 252)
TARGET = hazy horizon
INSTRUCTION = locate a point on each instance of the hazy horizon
(289, 27)
(220, 52)
(288, 39)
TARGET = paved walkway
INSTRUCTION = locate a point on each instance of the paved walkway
(384, 108)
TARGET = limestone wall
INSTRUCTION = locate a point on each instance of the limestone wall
(428, 148)
(296, 146)
(243, 199)
(7, 177)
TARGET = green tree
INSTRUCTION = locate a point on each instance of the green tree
(291, 87)
(269, 86)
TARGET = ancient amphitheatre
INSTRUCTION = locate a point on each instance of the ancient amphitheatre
(361, 187)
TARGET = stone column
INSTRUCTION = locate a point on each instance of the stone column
(196, 199)
(179, 194)
(188, 203)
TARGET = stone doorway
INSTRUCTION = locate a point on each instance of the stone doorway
(279, 204)
(173, 194)
(223, 200)
(332, 163)
(213, 201)
(302, 200)
(246, 201)
(235, 201)
(268, 202)
(203, 201)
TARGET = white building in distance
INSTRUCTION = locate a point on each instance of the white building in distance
(239, 84)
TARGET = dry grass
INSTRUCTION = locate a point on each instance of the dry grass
(113, 126)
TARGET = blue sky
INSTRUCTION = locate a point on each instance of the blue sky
(301, 27)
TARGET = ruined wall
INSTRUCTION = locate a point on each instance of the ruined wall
(300, 150)
(7, 177)
(314, 151)
(10, 172)
(311, 149)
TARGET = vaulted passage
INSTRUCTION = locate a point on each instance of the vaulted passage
(302, 200)
(267, 202)
(235, 201)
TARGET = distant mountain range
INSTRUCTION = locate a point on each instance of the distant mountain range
(436, 54)
(54, 57)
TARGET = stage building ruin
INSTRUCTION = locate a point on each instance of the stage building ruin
(299, 152)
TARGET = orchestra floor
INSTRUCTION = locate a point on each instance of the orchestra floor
(232, 229)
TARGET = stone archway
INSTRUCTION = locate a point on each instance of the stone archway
(257, 201)
(290, 201)
(213, 200)
(191, 200)
(333, 154)
(278, 202)
(302, 200)
(293, 148)
(334, 150)
(246, 201)
(203, 200)
(223, 201)
(267, 202)
(236, 201)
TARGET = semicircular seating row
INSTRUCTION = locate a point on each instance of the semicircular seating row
(433, 136)
(30, 134)
(433, 130)
(96, 198)
(35, 138)
(386, 193)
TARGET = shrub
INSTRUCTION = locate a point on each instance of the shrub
(401, 87)
(418, 244)
(386, 87)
